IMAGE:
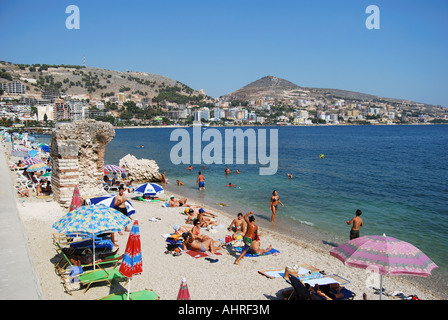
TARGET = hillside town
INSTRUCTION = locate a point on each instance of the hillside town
(31, 96)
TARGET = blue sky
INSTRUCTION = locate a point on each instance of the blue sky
(220, 46)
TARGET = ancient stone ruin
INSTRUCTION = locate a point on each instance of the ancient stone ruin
(77, 158)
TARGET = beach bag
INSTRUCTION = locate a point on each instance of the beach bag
(294, 270)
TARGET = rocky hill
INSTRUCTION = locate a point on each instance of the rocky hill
(278, 88)
(96, 82)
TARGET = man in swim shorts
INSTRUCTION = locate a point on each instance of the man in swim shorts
(200, 181)
(251, 230)
(357, 222)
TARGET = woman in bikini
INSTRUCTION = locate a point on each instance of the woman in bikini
(275, 200)
(192, 242)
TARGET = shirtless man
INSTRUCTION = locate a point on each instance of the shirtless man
(205, 222)
(240, 226)
(251, 230)
(357, 222)
(200, 181)
(176, 203)
(227, 170)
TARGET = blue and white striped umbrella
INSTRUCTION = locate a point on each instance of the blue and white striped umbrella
(108, 200)
(149, 189)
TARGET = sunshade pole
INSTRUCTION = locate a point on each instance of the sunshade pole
(93, 239)
(381, 287)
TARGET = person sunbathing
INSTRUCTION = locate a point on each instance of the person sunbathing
(205, 222)
(23, 192)
(196, 231)
(255, 248)
(191, 243)
(325, 290)
(181, 229)
(177, 203)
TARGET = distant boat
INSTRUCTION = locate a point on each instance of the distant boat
(140, 146)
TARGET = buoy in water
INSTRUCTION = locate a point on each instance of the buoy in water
(321, 156)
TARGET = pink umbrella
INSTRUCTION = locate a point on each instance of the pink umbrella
(388, 255)
(183, 294)
(76, 199)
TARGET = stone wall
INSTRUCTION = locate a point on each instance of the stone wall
(77, 158)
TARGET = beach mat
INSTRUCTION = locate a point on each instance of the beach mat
(197, 254)
(240, 250)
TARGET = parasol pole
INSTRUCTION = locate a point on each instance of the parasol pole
(93, 240)
(129, 287)
(381, 287)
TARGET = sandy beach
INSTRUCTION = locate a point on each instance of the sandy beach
(164, 272)
(222, 280)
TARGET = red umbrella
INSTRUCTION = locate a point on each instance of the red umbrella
(183, 294)
(76, 199)
(132, 258)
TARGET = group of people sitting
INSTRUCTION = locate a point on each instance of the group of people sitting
(194, 240)
(127, 184)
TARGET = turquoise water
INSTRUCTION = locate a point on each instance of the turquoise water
(397, 176)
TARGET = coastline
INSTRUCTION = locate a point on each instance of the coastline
(208, 281)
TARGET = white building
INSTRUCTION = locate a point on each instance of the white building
(45, 110)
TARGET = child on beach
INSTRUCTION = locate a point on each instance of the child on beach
(357, 222)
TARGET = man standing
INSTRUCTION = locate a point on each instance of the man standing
(251, 230)
(357, 222)
(200, 181)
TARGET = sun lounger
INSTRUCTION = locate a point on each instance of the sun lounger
(63, 263)
(109, 188)
(138, 295)
(97, 276)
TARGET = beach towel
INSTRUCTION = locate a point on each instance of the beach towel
(197, 254)
(272, 251)
(304, 273)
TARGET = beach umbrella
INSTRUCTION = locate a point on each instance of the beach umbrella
(41, 166)
(45, 148)
(29, 161)
(76, 199)
(132, 258)
(91, 220)
(46, 175)
(183, 294)
(32, 153)
(108, 200)
(110, 168)
(150, 189)
(386, 255)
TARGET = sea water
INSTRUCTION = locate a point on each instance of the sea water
(396, 175)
